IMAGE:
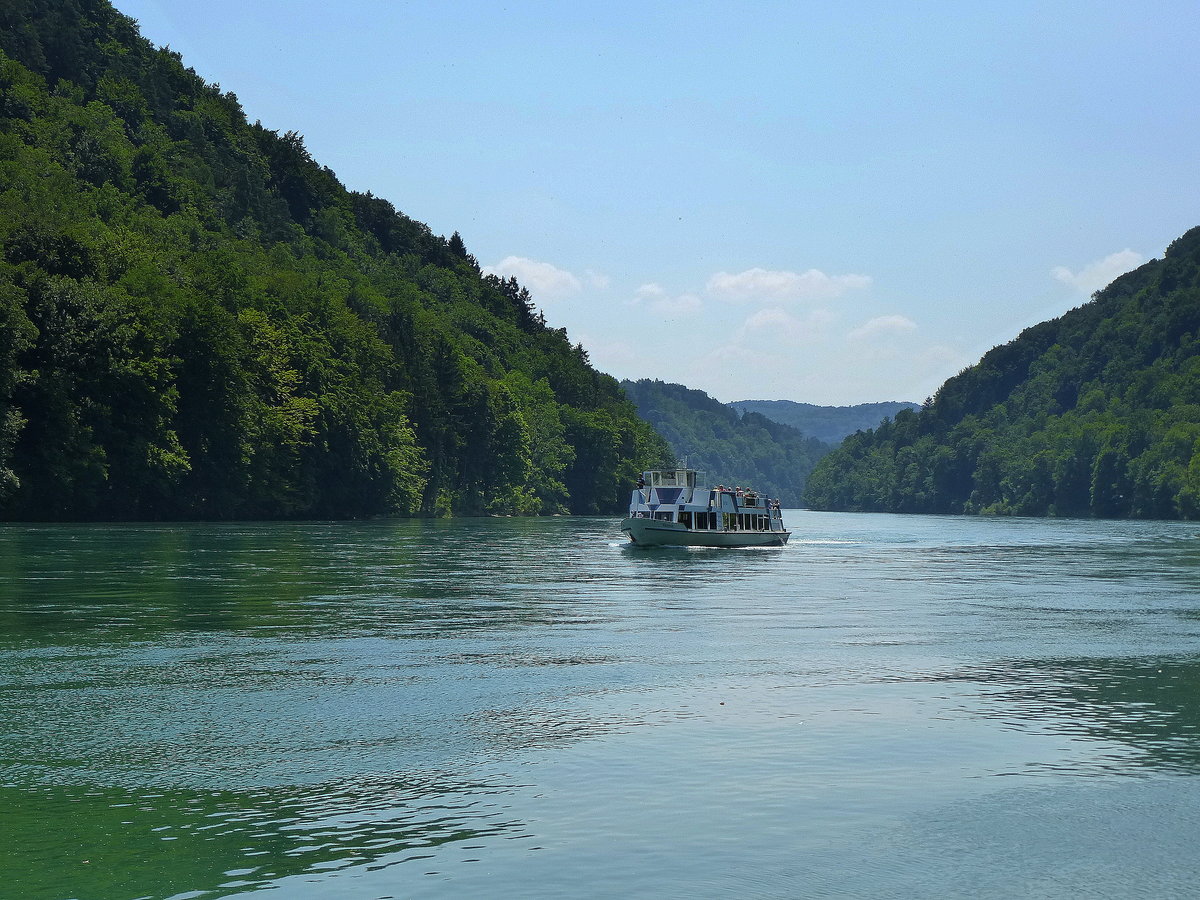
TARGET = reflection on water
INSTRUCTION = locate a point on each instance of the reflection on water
(1146, 711)
(510, 707)
(127, 843)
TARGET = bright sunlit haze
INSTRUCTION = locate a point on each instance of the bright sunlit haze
(774, 201)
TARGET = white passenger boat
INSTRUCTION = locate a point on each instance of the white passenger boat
(672, 507)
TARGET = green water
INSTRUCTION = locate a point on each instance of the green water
(889, 706)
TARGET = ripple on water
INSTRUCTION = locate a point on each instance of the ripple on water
(905, 706)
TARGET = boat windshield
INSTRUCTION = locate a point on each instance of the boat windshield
(674, 478)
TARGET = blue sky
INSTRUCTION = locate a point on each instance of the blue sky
(830, 203)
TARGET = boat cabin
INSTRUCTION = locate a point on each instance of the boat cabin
(680, 496)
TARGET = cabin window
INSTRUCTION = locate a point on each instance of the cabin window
(685, 519)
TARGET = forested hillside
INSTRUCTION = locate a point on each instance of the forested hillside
(735, 449)
(829, 424)
(197, 320)
(1096, 413)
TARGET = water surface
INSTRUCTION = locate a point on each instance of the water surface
(890, 706)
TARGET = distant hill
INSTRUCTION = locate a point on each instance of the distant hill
(1095, 413)
(825, 423)
(743, 449)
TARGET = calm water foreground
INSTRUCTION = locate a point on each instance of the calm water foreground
(890, 706)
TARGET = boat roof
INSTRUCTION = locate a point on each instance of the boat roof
(682, 476)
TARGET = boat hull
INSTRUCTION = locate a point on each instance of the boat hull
(659, 533)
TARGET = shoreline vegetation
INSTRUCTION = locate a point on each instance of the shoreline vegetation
(1093, 414)
(198, 321)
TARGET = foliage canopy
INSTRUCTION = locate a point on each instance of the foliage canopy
(197, 320)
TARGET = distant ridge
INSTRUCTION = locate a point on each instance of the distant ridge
(732, 447)
(830, 424)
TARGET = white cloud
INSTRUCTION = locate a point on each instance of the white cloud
(657, 300)
(763, 284)
(596, 279)
(545, 281)
(1100, 273)
(882, 325)
(780, 324)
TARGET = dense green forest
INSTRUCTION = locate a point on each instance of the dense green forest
(197, 320)
(829, 424)
(735, 449)
(1096, 413)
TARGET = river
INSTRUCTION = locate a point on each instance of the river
(889, 706)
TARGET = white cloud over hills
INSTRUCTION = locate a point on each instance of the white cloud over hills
(544, 280)
(776, 286)
(1100, 273)
(655, 297)
(782, 326)
(883, 325)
